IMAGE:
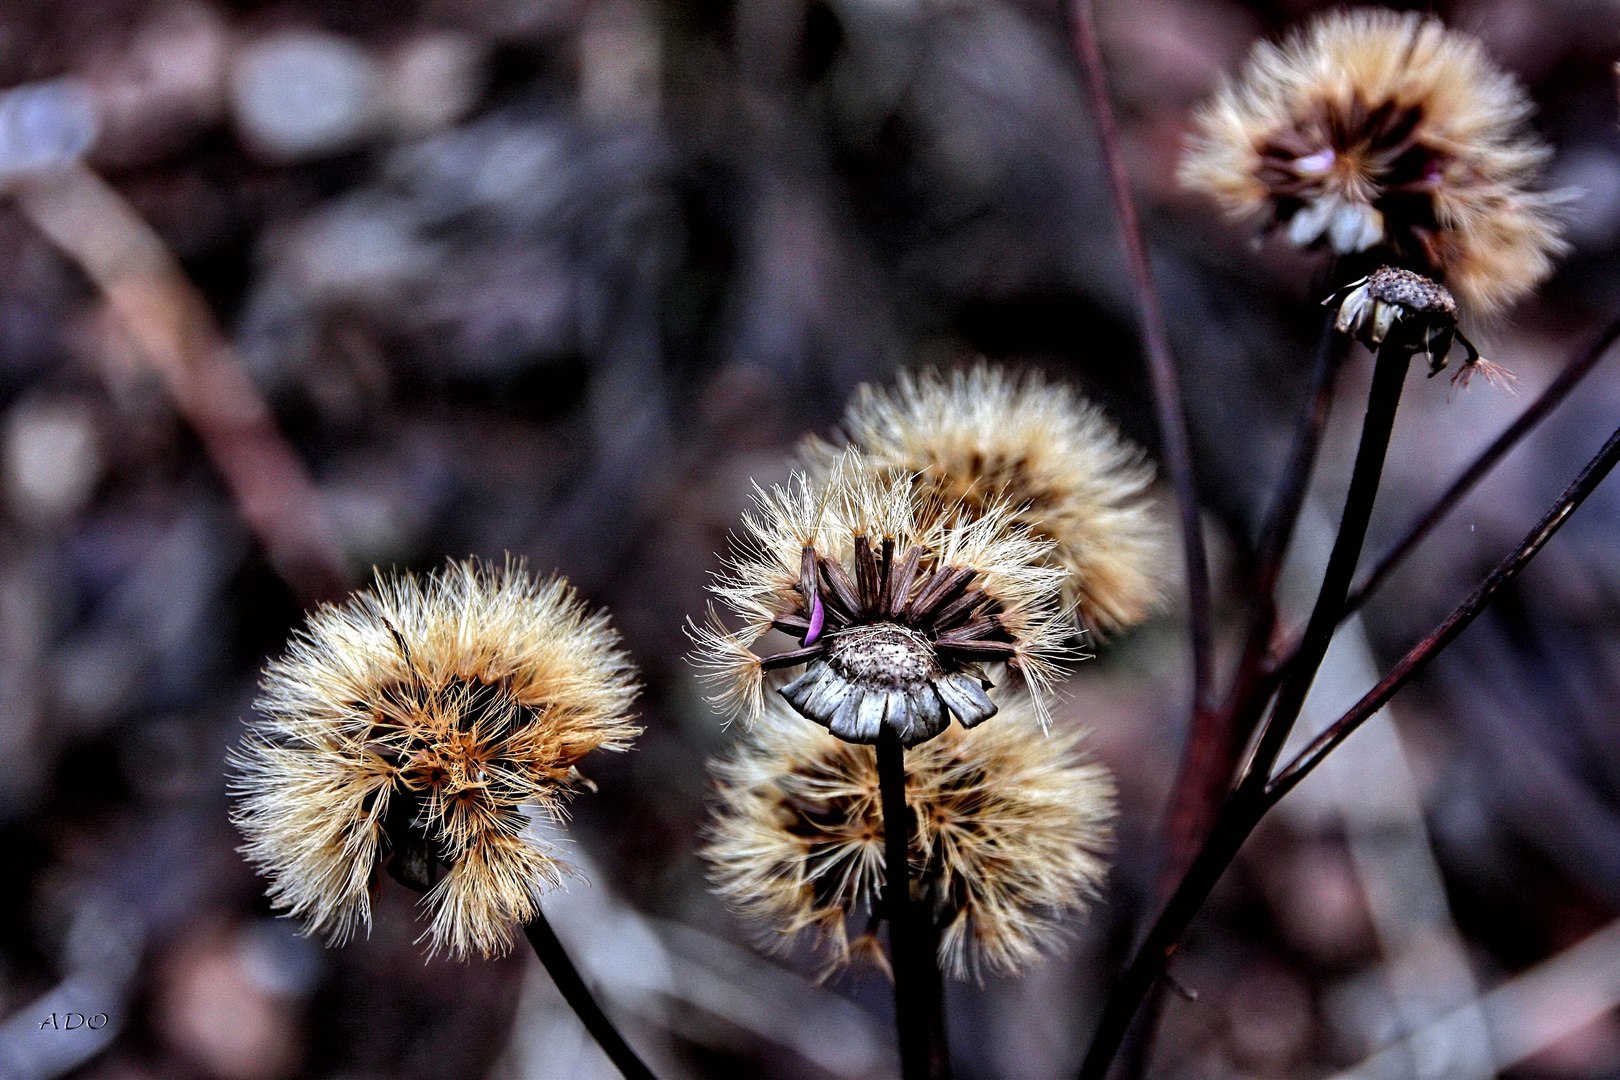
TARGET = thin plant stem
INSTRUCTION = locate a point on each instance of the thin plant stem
(1247, 802)
(1156, 344)
(579, 998)
(916, 987)
(1577, 369)
(1243, 811)
(1424, 651)
(1383, 399)
(1216, 737)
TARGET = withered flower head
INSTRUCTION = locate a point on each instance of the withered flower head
(982, 437)
(1013, 827)
(896, 613)
(413, 724)
(1412, 312)
(1376, 129)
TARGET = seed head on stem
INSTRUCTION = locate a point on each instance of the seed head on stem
(1374, 130)
(903, 616)
(983, 437)
(417, 726)
(1013, 826)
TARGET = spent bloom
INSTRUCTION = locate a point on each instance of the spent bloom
(897, 614)
(1013, 830)
(418, 724)
(983, 437)
(1372, 129)
(1416, 314)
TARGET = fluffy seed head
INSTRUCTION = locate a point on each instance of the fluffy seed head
(1013, 826)
(897, 612)
(417, 723)
(983, 437)
(1376, 129)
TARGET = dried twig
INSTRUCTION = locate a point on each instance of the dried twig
(1444, 634)
(175, 332)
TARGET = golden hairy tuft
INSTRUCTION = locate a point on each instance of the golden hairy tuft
(900, 616)
(1377, 129)
(1013, 829)
(418, 723)
(978, 437)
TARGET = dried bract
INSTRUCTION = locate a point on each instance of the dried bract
(1376, 129)
(896, 613)
(982, 437)
(418, 723)
(1013, 827)
(1396, 306)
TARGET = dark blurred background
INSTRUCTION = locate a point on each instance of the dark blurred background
(561, 278)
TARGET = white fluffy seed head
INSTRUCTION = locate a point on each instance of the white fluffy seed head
(1371, 128)
(982, 437)
(433, 714)
(852, 504)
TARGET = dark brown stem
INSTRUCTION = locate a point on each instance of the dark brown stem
(1384, 398)
(1216, 737)
(578, 995)
(918, 1013)
(1424, 651)
(1156, 344)
(1244, 807)
(1576, 370)
(1249, 804)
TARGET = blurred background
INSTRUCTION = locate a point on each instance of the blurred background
(363, 283)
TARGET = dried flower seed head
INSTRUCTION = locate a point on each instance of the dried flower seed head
(1412, 312)
(982, 437)
(411, 724)
(896, 617)
(1375, 129)
(1013, 826)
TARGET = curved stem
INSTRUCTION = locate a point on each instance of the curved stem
(1156, 344)
(917, 1005)
(578, 995)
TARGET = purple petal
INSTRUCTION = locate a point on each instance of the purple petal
(818, 619)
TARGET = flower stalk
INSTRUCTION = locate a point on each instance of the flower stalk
(1243, 811)
(1156, 346)
(579, 998)
(918, 989)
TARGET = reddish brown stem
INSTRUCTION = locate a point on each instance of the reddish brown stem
(1156, 345)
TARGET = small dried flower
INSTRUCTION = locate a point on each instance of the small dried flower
(413, 723)
(896, 618)
(983, 437)
(1376, 129)
(1394, 305)
(1013, 827)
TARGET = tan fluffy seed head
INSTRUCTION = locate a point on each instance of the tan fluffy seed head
(980, 437)
(1013, 829)
(862, 527)
(1371, 129)
(428, 716)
